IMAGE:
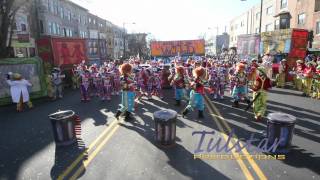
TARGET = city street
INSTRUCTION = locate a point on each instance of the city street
(111, 149)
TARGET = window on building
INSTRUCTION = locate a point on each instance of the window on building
(58, 29)
(84, 20)
(51, 6)
(284, 23)
(301, 18)
(241, 24)
(41, 26)
(64, 32)
(277, 24)
(318, 27)
(257, 15)
(284, 4)
(61, 13)
(56, 8)
(269, 27)
(257, 30)
(317, 6)
(49, 27)
(69, 15)
(89, 20)
(54, 28)
(23, 27)
(94, 21)
(269, 10)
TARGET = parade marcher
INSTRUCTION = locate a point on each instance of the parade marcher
(267, 64)
(197, 92)
(307, 78)
(85, 85)
(316, 83)
(149, 82)
(128, 95)
(281, 76)
(221, 82)
(76, 77)
(212, 80)
(260, 87)
(231, 77)
(179, 81)
(94, 86)
(299, 69)
(56, 79)
(157, 88)
(116, 80)
(107, 86)
(19, 90)
(240, 89)
(253, 70)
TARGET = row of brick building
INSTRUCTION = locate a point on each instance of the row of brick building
(276, 15)
(65, 19)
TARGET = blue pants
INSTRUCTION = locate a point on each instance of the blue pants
(239, 92)
(196, 101)
(179, 93)
(127, 101)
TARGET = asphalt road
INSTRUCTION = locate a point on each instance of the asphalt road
(109, 149)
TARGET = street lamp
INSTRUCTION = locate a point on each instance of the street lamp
(261, 8)
(124, 38)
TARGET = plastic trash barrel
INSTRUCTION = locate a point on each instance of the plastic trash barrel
(165, 127)
(63, 124)
(280, 127)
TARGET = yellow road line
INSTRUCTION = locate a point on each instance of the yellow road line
(242, 165)
(81, 156)
(244, 150)
(94, 154)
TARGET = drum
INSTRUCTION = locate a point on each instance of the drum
(64, 127)
(280, 127)
(165, 127)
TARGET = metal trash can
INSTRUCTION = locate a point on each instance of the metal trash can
(63, 124)
(165, 127)
(280, 126)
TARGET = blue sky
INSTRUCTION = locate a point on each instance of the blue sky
(170, 19)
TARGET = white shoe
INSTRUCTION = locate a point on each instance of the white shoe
(215, 96)
(221, 97)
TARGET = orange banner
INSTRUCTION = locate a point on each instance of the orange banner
(172, 48)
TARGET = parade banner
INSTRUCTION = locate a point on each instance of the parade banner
(276, 41)
(31, 69)
(173, 48)
(291, 41)
(248, 45)
(45, 50)
(68, 51)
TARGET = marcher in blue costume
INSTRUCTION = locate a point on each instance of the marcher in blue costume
(180, 82)
(128, 93)
(197, 92)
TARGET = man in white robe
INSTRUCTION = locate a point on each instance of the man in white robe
(19, 90)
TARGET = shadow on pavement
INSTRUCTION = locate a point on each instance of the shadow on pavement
(179, 157)
(65, 155)
(24, 135)
(297, 157)
(295, 93)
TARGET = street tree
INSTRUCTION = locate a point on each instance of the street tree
(8, 10)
